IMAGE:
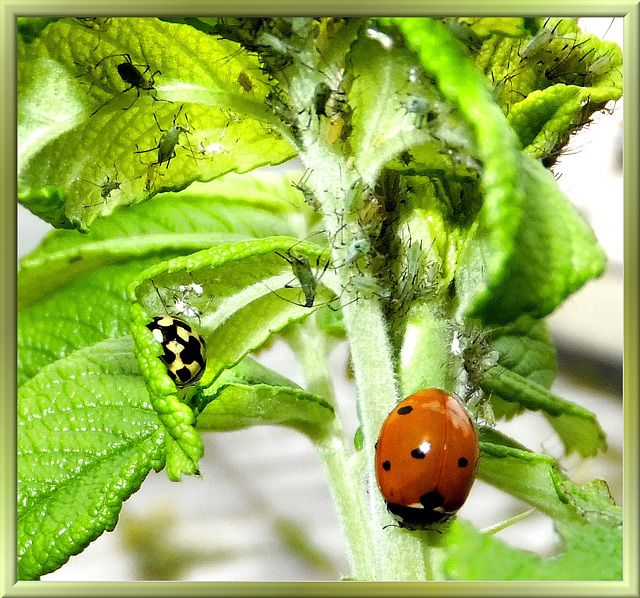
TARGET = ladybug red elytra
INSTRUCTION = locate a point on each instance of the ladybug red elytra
(426, 458)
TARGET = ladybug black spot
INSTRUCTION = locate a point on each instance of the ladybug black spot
(168, 356)
(184, 374)
(417, 453)
(170, 331)
(405, 410)
(462, 462)
(431, 500)
(192, 352)
(386, 465)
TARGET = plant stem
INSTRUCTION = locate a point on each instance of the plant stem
(378, 552)
(397, 555)
(312, 349)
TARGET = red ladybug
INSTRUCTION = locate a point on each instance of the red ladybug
(426, 458)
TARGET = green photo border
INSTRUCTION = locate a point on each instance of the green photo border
(10, 9)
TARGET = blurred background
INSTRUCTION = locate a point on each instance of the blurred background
(262, 510)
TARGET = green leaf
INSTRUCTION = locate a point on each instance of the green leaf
(584, 70)
(71, 290)
(70, 75)
(381, 127)
(525, 348)
(47, 203)
(244, 301)
(527, 229)
(250, 394)
(504, 26)
(577, 427)
(88, 309)
(83, 448)
(590, 553)
(546, 117)
(205, 214)
(515, 366)
(29, 28)
(526, 475)
(537, 480)
(553, 247)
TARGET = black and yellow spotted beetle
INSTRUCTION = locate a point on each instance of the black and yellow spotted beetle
(184, 349)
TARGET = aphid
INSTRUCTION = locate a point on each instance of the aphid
(185, 353)
(418, 105)
(307, 278)
(328, 102)
(321, 99)
(181, 300)
(208, 150)
(500, 88)
(167, 144)
(96, 23)
(309, 197)
(426, 458)
(304, 273)
(211, 149)
(464, 33)
(478, 359)
(359, 248)
(538, 43)
(408, 284)
(563, 65)
(240, 30)
(598, 68)
(372, 214)
(134, 78)
(244, 81)
(405, 157)
(106, 187)
(368, 285)
(280, 53)
(337, 128)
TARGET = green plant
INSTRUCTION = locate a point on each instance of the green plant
(422, 232)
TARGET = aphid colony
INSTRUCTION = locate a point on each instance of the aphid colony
(556, 54)
(126, 75)
(427, 452)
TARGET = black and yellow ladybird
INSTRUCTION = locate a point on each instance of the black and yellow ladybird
(426, 458)
(184, 349)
